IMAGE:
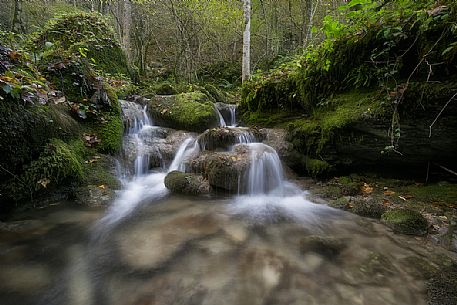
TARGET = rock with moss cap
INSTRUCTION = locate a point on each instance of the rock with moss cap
(405, 221)
(191, 111)
(222, 138)
(186, 183)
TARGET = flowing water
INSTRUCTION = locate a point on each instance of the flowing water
(270, 246)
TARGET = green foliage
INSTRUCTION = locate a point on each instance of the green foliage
(377, 46)
(10, 39)
(83, 36)
(316, 167)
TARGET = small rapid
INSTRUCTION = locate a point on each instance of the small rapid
(141, 185)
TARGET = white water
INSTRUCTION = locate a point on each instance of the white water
(187, 149)
(245, 137)
(232, 109)
(220, 117)
(265, 171)
(144, 185)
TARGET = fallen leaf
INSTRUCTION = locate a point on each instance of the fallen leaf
(44, 182)
(367, 189)
(386, 202)
(102, 186)
(389, 193)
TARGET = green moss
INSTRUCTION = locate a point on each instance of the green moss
(99, 171)
(316, 167)
(110, 133)
(58, 164)
(443, 193)
(267, 119)
(368, 207)
(405, 221)
(113, 100)
(190, 111)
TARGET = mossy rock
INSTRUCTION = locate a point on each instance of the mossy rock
(186, 183)
(368, 207)
(60, 163)
(328, 247)
(191, 111)
(110, 133)
(85, 35)
(405, 221)
(24, 130)
(222, 138)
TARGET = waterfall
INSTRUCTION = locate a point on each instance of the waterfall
(265, 172)
(136, 120)
(246, 136)
(221, 118)
(188, 148)
(232, 109)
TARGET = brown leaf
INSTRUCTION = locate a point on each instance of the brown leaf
(389, 193)
(367, 189)
(44, 182)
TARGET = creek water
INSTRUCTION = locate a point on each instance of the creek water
(272, 245)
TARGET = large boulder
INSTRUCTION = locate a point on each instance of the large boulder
(159, 143)
(186, 183)
(224, 170)
(223, 138)
(191, 111)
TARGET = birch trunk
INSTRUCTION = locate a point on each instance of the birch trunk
(246, 69)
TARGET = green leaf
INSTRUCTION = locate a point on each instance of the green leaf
(7, 88)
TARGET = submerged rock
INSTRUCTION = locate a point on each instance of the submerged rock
(405, 221)
(325, 246)
(186, 183)
(191, 111)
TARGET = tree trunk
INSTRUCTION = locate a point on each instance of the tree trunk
(126, 24)
(246, 70)
(17, 25)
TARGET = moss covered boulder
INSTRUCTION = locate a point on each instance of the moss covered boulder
(191, 111)
(186, 183)
(83, 34)
(405, 221)
(222, 138)
(368, 207)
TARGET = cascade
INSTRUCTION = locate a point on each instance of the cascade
(221, 118)
(265, 172)
(232, 109)
(187, 149)
(144, 185)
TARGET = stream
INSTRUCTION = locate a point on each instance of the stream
(271, 245)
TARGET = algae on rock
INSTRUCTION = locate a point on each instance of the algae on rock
(191, 111)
